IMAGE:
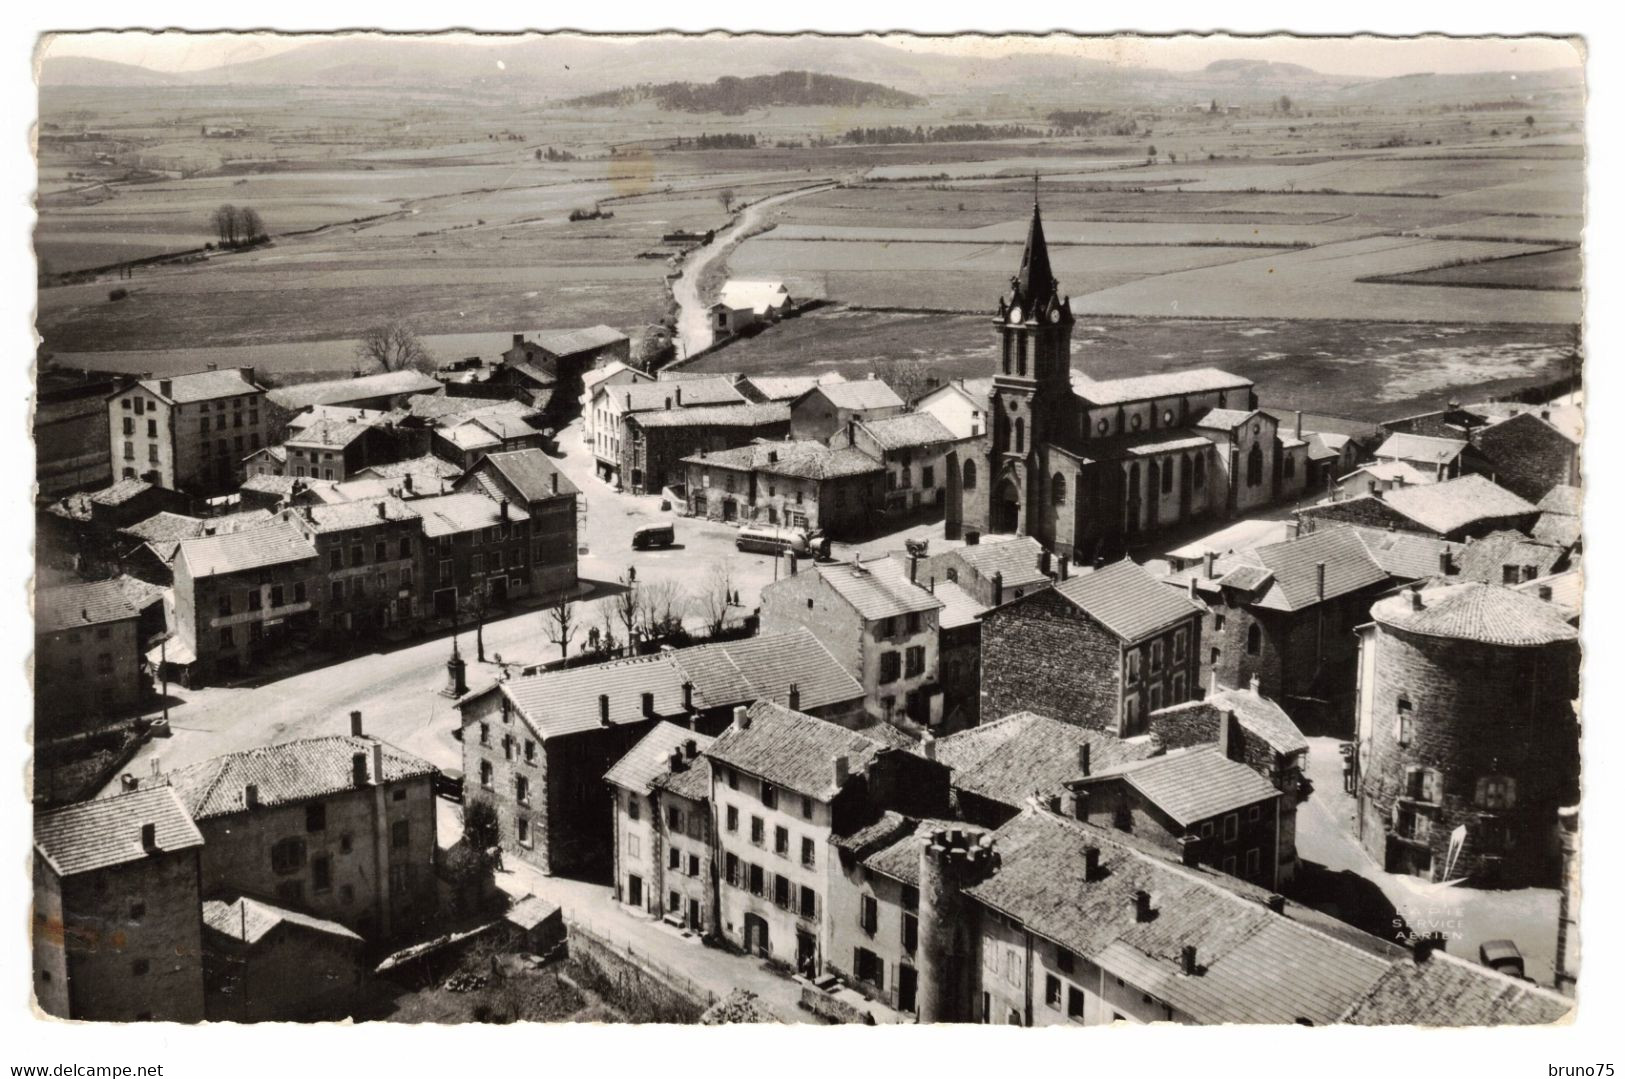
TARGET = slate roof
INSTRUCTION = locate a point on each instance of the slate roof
(314, 413)
(793, 750)
(437, 407)
(801, 460)
(649, 760)
(859, 395)
(165, 531)
(1016, 558)
(1392, 471)
(427, 465)
(120, 492)
(286, 773)
(1010, 759)
(1406, 555)
(251, 920)
(559, 703)
(1454, 504)
(106, 832)
(1425, 448)
(1324, 445)
(530, 471)
(1224, 419)
(907, 431)
(959, 607)
(329, 433)
(345, 516)
(764, 667)
(1450, 991)
(75, 606)
(880, 589)
(1127, 600)
(1122, 391)
(278, 485)
(890, 845)
(338, 391)
(1293, 564)
(784, 387)
(445, 515)
(1484, 558)
(1557, 529)
(1254, 965)
(742, 415)
(569, 342)
(276, 544)
(1562, 499)
(682, 393)
(201, 386)
(1193, 784)
(1473, 611)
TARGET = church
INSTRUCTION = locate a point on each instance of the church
(1092, 468)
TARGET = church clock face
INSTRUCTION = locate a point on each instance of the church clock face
(1015, 313)
(1055, 316)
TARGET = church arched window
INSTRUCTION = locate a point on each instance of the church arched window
(1255, 639)
(1021, 434)
(1255, 466)
(1021, 355)
(1007, 354)
(1057, 487)
(970, 476)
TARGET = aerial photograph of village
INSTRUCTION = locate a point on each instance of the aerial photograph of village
(804, 529)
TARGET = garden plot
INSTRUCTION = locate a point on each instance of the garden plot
(1324, 282)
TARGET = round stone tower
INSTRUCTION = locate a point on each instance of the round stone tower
(951, 860)
(1469, 739)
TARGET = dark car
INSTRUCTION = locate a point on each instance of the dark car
(653, 536)
(1503, 956)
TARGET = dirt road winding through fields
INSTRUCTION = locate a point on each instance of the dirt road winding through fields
(693, 318)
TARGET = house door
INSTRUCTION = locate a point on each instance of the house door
(756, 935)
(445, 603)
(806, 953)
(499, 591)
(907, 984)
(1007, 508)
(694, 914)
(634, 890)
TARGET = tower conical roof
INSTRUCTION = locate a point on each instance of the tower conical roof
(1036, 281)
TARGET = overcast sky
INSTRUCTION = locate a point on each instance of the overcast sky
(1370, 57)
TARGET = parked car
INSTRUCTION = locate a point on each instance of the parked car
(1503, 956)
(773, 540)
(654, 536)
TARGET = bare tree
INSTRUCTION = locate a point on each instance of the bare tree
(394, 346)
(227, 222)
(625, 605)
(660, 607)
(715, 595)
(726, 196)
(560, 624)
(253, 226)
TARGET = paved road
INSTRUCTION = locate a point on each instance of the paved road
(694, 317)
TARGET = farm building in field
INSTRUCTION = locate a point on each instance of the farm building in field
(1089, 467)
(746, 305)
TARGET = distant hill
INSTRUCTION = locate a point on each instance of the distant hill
(734, 95)
(1260, 69)
(85, 71)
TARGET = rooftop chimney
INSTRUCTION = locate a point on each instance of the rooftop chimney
(1444, 562)
(648, 705)
(1142, 905)
(358, 772)
(795, 697)
(1276, 904)
(1320, 580)
(149, 838)
(1208, 558)
(502, 509)
(1080, 803)
(383, 510)
(406, 481)
(741, 717)
(674, 760)
(1297, 423)
(1544, 591)
(553, 481)
(251, 796)
(843, 770)
(1424, 945)
(1227, 726)
(678, 390)
(1187, 959)
(851, 433)
(1188, 847)
(972, 538)
(1066, 565)
(688, 696)
(355, 725)
(603, 709)
(1193, 586)
(928, 748)
(1416, 597)
(668, 402)
(1043, 562)
(691, 749)
(377, 762)
(166, 387)
(998, 589)
(1083, 758)
(518, 339)
(1091, 863)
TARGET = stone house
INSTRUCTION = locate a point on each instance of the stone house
(117, 930)
(264, 964)
(382, 391)
(661, 794)
(960, 405)
(339, 827)
(992, 571)
(188, 432)
(882, 627)
(827, 409)
(477, 551)
(336, 449)
(613, 403)
(796, 484)
(1101, 649)
(1456, 510)
(912, 447)
(369, 553)
(465, 442)
(87, 657)
(656, 444)
(529, 479)
(1529, 455)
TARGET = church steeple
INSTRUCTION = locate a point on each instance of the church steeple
(1035, 282)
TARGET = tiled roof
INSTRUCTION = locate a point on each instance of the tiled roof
(531, 473)
(120, 492)
(1016, 558)
(793, 750)
(427, 465)
(1392, 472)
(569, 342)
(1127, 600)
(1224, 419)
(764, 668)
(251, 921)
(100, 834)
(165, 526)
(680, 393)
(1193, 784)
(345, 516)
(802, 460)
(329, 433)
(1558, 529)
(286, 773)
(1449, 991)
(959, 607)
(759, 296)
(1425, 448)
(138, 593)
(201, 386)
(338, 391)
(279, 485)
(558, 703)
(531, 912)
(1473, 611)
(445, 515)
(1562, 499)
(1010, 759)
(275, 544)
(436, 407)
(1485, 558)
(1406, 555)
(1295, 566)
(317, 413)
(743, 415)
(890, 845)
(649, 760)
(1122, 391)
(860, 395)
(1568, 591)
(880, 589)
(590, 379)
(909, 430)
(1257, 713)
(1245, 577)
(1323, 446)
(1445, 507)
(1254, 965)
(785, 387)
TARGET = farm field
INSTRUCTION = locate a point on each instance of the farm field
(1558, 269)
(1362, 369)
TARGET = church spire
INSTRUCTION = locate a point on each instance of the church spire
(1036, 281)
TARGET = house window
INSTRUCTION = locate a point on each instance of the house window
(694, 865)
(781, 842)
(634, 807)
(485, 774)
(523, 827)
(1131, 716)
(970, 476)
(1255, 639)
(400, 835)
(915, 660)
(1057, 488)
(1179, 645)
(809, 902)
(1052, 991)
(756, 880)
(809, 852)
(316, 817)
(633, 851)
(288, 856)
(521, 790)
(757, 829)
(868, 967)
(1496, 792)
(224, 604)
(674, 859)
(321, 873)
(1232, 827)
(868, 914)
(1156, 655)
(731, 868)
(890, 664)
(1402, 721)
(806, 807)
(911, 933)
(530, 751)
(1255, 466)
(770, 796)
(674, 819)
(1074, 1002)
(781, 892)
(1251, 863)
(1133, 675)
(733, 819)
